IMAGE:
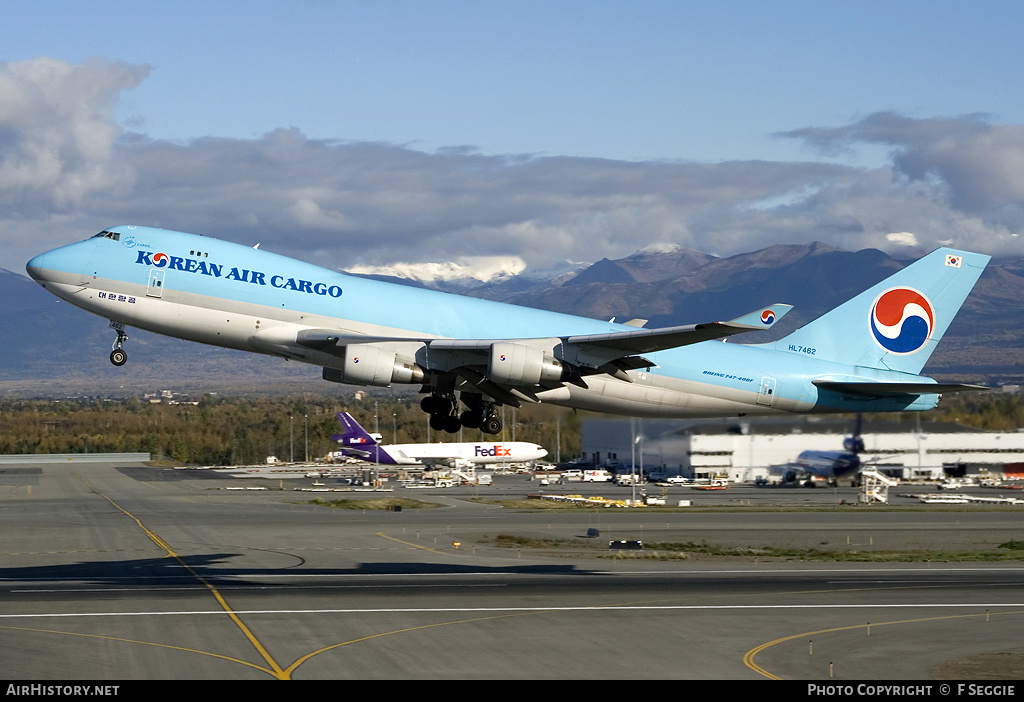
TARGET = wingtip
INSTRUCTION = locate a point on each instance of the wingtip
(763, 318)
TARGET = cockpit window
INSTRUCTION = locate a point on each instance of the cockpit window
(116, 236)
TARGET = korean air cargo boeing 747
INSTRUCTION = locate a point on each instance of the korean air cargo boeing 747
(472, 355)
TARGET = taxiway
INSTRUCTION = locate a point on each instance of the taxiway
(123, 572)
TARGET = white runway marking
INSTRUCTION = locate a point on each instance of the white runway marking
(478, 610)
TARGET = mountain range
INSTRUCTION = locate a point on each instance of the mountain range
(49, 344)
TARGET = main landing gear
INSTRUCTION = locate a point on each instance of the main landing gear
(444, 413)
(118, 356)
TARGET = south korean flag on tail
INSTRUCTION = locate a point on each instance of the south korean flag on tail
(954, 261)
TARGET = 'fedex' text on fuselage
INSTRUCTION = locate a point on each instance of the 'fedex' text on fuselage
(496, 450)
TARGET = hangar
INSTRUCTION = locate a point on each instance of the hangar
(743, 449)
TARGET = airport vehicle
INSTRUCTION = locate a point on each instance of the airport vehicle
(713, 485)
(677, 480)
(358, 443)
(864, 355)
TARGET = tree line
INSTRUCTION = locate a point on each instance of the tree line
(246, 430)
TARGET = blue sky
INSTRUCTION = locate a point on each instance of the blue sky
(431, 130)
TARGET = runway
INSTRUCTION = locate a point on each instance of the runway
(132, 573)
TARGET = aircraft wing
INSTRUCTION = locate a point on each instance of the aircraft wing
(619, 343)
(406, 456)
(576, 356)
(433, 461)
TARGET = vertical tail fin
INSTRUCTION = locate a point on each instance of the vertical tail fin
(855, 443)
(354, 435)
(356, 442)
(896, 324)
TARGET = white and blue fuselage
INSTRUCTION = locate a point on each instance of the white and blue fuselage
(863, 356)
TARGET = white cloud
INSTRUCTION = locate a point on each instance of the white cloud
(57, 135)
(67, 170)
(902, 238)
(971, 168)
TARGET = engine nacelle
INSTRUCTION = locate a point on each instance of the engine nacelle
(516, 364)
(366, 364)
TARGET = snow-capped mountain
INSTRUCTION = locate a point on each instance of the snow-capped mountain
(466, 272)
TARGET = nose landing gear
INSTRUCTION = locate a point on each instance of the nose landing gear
(492, 423)
(118, 356)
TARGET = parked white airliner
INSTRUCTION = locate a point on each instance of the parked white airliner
(356, 442)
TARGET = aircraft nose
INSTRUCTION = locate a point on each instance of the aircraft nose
(36, 266)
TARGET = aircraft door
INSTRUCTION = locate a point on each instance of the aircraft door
(766, 395)
(89, 272)
(156, 283)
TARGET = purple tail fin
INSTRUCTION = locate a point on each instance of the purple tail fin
(354, 435)
(359, 443)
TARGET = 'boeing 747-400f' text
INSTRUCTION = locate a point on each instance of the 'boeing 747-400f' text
(863, 356)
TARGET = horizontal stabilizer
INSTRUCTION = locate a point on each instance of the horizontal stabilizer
(871, 389)
(356, 453)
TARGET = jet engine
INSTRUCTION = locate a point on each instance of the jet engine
(516, 364)
(366, 364)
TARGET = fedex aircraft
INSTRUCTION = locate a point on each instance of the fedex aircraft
(863, 356)
(358, 443)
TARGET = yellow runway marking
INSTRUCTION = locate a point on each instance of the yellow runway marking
(409, 543)
(310, 655)
(143, 643)
(748, 658)
(275, 669)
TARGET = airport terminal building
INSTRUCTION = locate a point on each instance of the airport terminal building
(744, 449)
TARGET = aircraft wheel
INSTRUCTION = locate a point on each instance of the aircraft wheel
(118, 357)
(470, 419)
(429, 404)
(452, 424)
(491, 425)
(437, 422)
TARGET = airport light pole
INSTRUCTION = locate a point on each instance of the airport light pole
(558, 439)
(632, 459)
(632, 469)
